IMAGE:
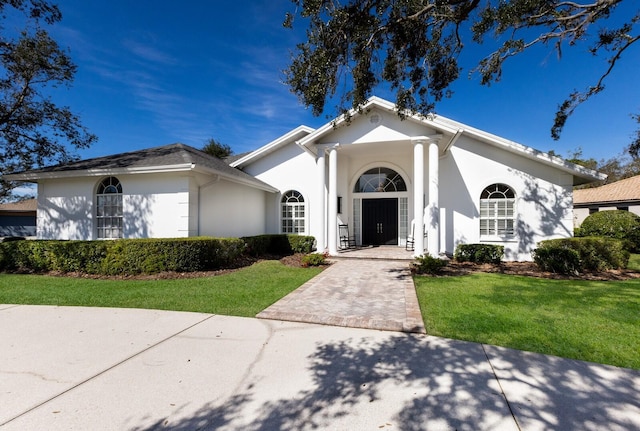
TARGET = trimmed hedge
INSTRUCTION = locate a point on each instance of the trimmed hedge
(148, 256)
(144, 256)
(127, 256)
(618, 224)
(63, 256)
(279, 244)
(479, 253)
(573, 255)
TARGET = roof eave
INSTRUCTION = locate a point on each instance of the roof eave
(581, 174)
(35, 176)
(255, 183)
(272, 146)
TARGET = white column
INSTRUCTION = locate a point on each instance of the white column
(333, 201)
(433, 209)
(322, 210)
(418, 197)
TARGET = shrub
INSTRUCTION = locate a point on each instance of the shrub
(278, 244)
(479, 253)
(302, 243)
(557, 259)
(593, 254)
(314, 259)
(428, 265)
(147, 256)
(618, 224)
(128, 256)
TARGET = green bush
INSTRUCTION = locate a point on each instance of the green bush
(301, 243)
(479, 253)
(279, 244)
(314, 259)
(144, 256)
(128, 256)
(593, 254)
(147, 256)
(617, 224)
(428, 265)
(557, 259)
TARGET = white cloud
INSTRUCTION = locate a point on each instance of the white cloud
(148, 53)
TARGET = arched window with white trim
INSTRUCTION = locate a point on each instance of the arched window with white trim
(497, 211)
(378, 180)
(109, 209)
(293, 213)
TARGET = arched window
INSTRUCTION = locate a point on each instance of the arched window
(109, 208)
(293, 212)
(497, 211)
(380, 180)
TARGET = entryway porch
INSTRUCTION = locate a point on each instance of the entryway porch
(384, 252)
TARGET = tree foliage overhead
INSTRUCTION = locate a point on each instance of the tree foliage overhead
(217, 149)
(414, 46)
(34, 131)
(616, 168)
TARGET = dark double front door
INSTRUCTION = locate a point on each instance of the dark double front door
(380, 221)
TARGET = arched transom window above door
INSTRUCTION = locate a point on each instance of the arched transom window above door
(378, 180)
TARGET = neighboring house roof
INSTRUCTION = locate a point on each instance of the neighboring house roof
(452, 130)
(167, 158)
(26, 206)
(620, 191)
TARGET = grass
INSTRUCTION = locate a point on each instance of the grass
(586, 320)
(241, 293)
(634, 262)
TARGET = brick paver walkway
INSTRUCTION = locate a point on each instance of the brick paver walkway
(357, 293)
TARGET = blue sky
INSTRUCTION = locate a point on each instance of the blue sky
(156, 72)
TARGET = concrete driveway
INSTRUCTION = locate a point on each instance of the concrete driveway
(75, 368)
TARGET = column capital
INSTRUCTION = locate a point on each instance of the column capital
(327, 147)
(431, 139)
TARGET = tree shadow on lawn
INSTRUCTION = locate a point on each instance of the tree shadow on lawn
(412, 382)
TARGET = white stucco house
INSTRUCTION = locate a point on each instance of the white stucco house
(383, 177)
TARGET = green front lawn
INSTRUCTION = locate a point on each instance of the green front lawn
(586, 320)
(245, 292)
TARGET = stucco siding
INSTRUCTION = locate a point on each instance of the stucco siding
(155, 205)
(290, 168)
(543, 197)
(232, 210)
(65, 209)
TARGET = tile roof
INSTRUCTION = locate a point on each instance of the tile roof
(619, 191)
(26, 205)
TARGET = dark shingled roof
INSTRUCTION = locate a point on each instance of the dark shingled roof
(233, 157)
(167, 155)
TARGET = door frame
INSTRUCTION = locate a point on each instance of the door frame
(352, 210)
(390, 195)
(380, 211)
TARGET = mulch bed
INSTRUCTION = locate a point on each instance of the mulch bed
(293, 260)
(530, 269)
(454, 268)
